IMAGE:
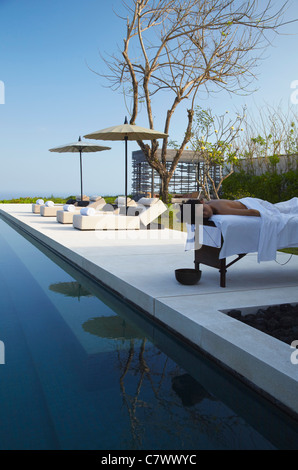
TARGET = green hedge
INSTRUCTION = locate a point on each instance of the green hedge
(270, 186)
(56, 200)
(29, 200)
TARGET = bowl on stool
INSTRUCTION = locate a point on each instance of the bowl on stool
(188, 276)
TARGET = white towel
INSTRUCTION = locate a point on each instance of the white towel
(69, 208)
(40, 202)
(88, 211)
(274, 218)
(49, 204)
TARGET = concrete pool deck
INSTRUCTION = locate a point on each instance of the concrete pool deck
(140, 265)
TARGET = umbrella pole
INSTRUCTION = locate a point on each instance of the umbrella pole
(152, 183)
(125, 138)
(81, 175)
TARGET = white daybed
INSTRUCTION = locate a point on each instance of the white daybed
(65, 215)
(139, 216)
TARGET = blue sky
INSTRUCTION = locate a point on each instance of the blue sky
(52, 97)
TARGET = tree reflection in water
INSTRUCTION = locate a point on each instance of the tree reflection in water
(163, 403)
(177, 407)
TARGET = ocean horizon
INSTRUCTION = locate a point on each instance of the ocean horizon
(19, 194)
(4, 195)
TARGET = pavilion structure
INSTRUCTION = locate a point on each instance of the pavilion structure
(145, 180)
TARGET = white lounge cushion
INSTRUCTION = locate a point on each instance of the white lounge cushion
(49, 204)
(64, 217)
(106, 221)
(50, 211)
(109, 221)
(39, 202)
(36, 208)
(148, 201)
(120, 200)
(96, 198)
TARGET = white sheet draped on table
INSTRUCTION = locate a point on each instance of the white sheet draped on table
(274, 217)
(276, 228)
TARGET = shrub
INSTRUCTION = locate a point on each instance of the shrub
(270, 186)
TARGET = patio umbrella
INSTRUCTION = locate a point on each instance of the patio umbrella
(126, 132)
(81, 147)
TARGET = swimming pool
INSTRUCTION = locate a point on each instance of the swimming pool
(83, 370)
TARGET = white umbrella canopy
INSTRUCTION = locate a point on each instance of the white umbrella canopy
(80, 147)
(126, 132)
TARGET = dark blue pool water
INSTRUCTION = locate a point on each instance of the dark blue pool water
(85, 371)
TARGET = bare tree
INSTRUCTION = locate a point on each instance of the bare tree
(182, 47)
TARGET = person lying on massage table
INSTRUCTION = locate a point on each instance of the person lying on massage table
(225, 207)
(247, 206)
(276, 223)
(214, 207)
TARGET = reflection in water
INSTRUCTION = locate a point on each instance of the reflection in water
(190, 414)
(133, 401)
(70, 289)
(113, 327)
(143, 367)
(155, 392)
(189, 390)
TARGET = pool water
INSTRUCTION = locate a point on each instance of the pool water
(83, 370)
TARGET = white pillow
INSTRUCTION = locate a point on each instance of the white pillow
(120, 200)
(88, 211)
(40, 202)
(49, 204)
(69, 208)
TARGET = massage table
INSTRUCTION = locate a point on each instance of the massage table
(209, 253)
(224, 236)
